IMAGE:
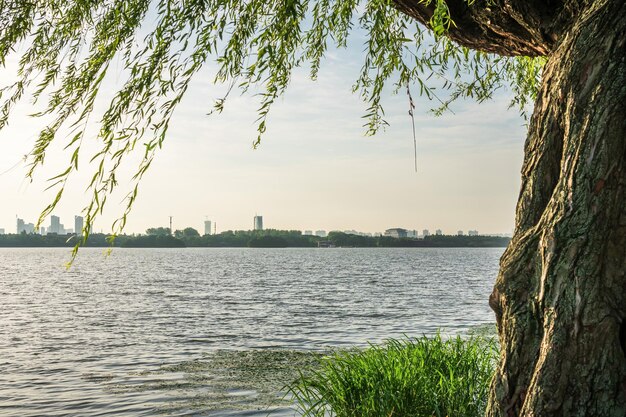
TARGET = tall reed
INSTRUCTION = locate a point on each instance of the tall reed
(401, 378)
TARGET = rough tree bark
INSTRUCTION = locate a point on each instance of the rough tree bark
(560, 296)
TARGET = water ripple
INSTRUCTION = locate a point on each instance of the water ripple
(97, 339)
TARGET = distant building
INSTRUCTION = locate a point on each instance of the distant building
(27, 228)
(55, 225)
(78, 225)
(320, 233)
(42, 230)
(438, 232)
(497, 234)
(22, 227)
(425, 232)
(396, 232)
(472, 232)
(308, 233)
(411, 234)
(258, 222)
(1, 231)
(459, 233)
(207, 227)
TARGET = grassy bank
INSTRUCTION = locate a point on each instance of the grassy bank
(407, 378)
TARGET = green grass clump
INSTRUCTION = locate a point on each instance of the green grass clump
(402, 378)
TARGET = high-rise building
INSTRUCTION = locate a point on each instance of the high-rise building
(438, 232)
(472, 232)
(320, 233)
(20, 226)
(23, 227)
(207, 227)
(55, 225)
(308, 233)
(78, 225)
(425, 232)
(459, 233)
(1, 231)
(258, 222)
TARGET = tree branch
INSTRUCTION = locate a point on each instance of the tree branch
(504, 27)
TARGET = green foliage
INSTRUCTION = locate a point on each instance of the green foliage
(188, 232)
(407, 378)
(50, 240)
(443, 241)
(158, 231)
(269, 238)
(249, 238)
(162, 45)
(267, 242)
(96, 240)
(350, 240)
(153, 241)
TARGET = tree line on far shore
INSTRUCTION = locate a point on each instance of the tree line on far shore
(270, 238)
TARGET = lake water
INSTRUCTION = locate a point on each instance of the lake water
(189, 331)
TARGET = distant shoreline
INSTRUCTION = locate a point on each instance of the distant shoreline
(252, 239)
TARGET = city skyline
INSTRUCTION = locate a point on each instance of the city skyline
(55, 226)
(209, 225)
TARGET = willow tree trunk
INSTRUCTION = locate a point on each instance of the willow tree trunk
(560, 297)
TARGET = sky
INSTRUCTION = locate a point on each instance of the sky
(314, 170)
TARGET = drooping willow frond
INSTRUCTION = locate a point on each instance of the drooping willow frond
(66, 49)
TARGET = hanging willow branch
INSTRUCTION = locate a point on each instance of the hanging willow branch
(66, 48)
